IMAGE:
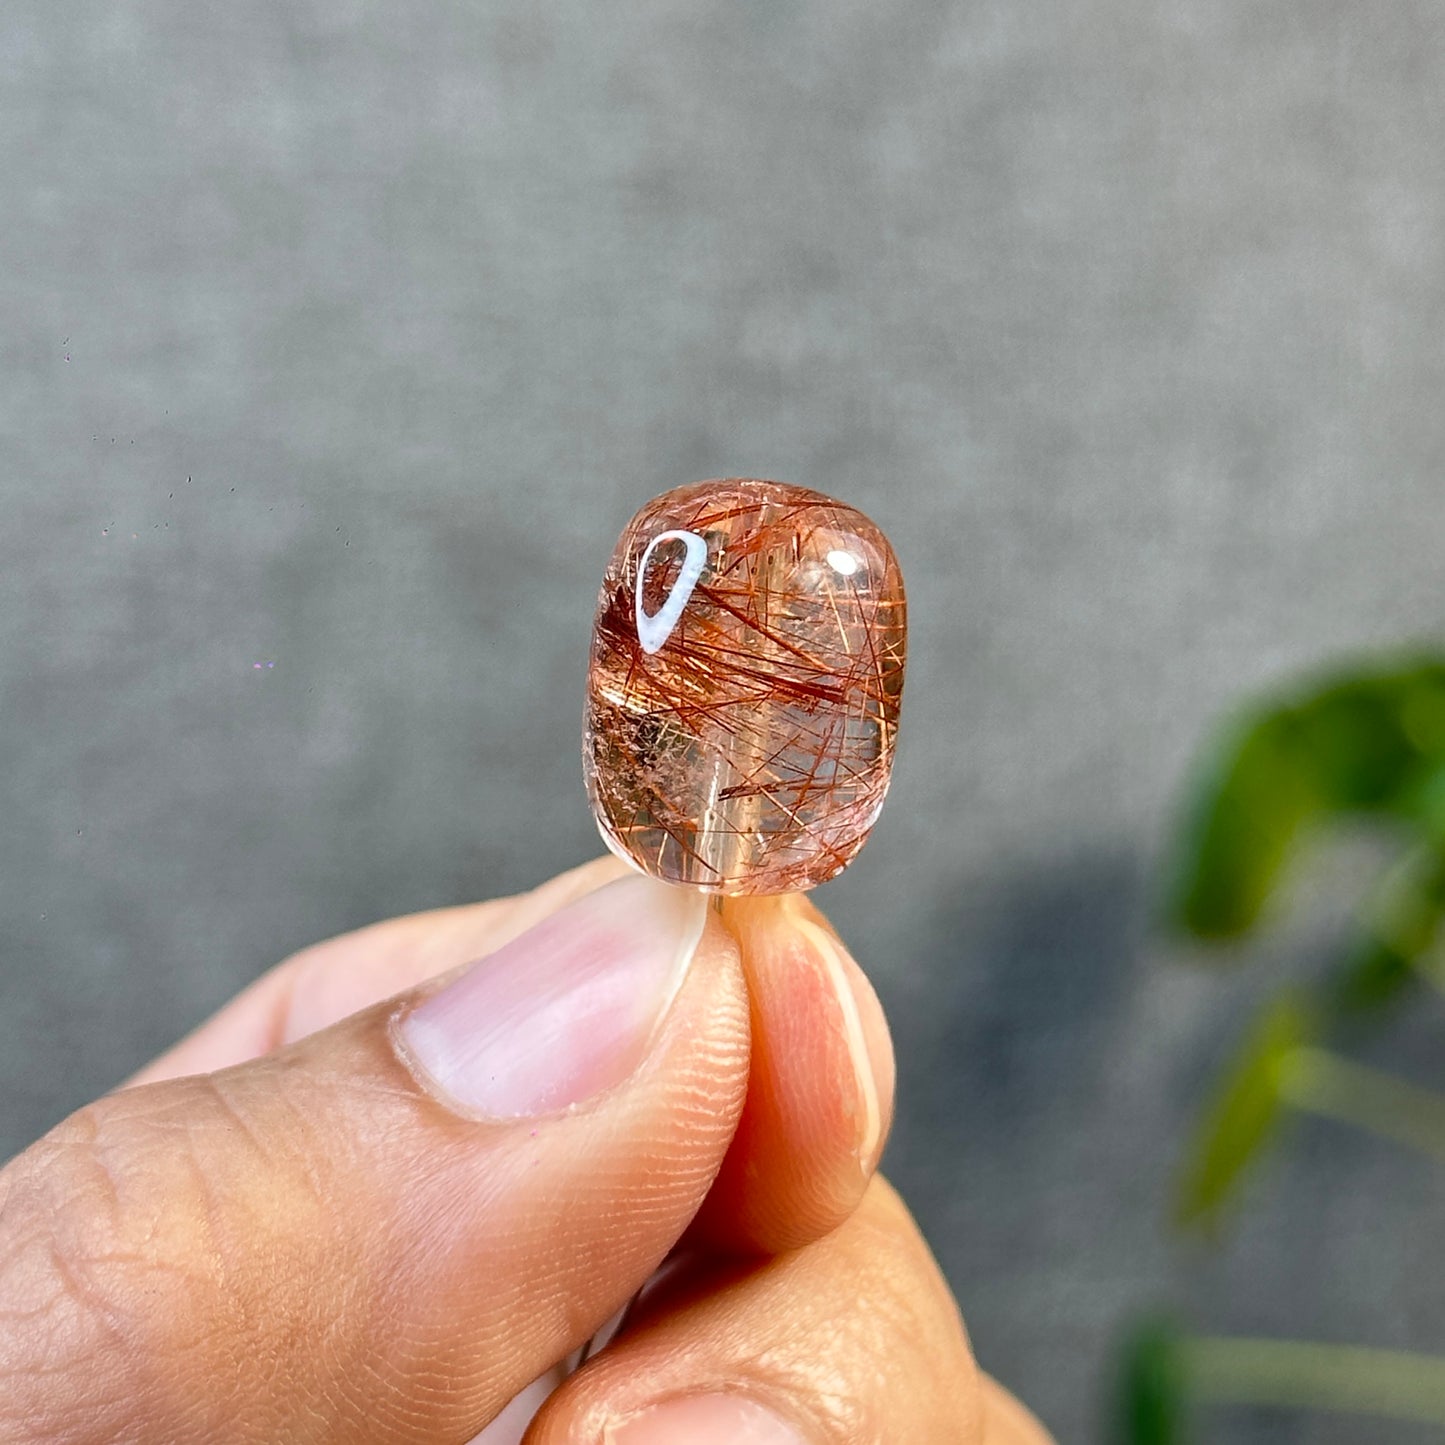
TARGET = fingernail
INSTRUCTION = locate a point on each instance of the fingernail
(705, 1420)
(865, 1031)
(562, 1012)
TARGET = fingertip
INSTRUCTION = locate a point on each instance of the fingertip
(567, 887)
(322, 983)
(820, 1088)
(338, 976)
(869, 1041)
(1007, 1421)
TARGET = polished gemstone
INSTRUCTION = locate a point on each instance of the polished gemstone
(742, 700)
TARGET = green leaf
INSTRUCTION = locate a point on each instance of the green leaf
(1374, 973)
(1151, 1404)
(1368, 744)
(1304, 1375)
(1246, 812)
(1243, 1115)
(1353, 741)
(1401, 936)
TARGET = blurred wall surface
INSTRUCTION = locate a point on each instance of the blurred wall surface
(338, 339)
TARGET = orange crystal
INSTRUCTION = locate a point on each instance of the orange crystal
(742, 700)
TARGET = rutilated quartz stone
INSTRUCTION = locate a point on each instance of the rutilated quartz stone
(742, 700)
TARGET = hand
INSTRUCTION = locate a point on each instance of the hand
(360, 1206)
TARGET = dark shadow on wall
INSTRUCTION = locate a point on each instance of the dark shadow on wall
(1022, 974)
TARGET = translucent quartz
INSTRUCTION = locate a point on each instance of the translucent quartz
(742, 700)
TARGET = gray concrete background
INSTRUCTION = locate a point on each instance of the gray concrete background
(345, 335)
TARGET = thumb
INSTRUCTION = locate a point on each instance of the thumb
(386, 1230)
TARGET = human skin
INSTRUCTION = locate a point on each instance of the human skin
(387, 1187)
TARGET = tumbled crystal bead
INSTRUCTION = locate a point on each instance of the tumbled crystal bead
(742, 699)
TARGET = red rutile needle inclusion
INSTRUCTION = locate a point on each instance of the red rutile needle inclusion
(742, 700)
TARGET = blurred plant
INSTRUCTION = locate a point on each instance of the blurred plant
(1368, 745)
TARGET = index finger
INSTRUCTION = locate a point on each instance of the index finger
(820, 1084)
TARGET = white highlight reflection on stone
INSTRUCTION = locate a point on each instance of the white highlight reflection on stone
(653, 631)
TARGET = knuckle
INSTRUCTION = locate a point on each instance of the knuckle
(107, 1269)
(61, 1318)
